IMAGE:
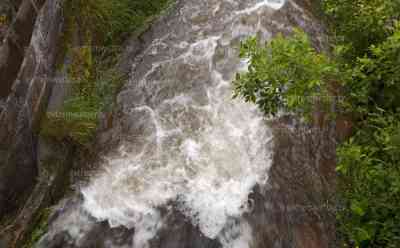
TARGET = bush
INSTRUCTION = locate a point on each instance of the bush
(286, 74)
(369, 185)
(360, 23)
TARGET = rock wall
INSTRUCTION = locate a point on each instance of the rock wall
(17, 38)
(27, 101)
(298, 207)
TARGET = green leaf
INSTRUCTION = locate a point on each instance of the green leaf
(357, 209)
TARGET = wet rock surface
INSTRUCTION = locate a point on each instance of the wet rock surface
(22, 193)
(179, 232)
(292, 210)
(297, 209)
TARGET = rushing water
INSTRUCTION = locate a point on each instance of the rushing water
(186, 142)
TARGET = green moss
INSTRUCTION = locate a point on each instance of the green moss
(101, 26)
(3, 20)
(109, 22)
(270, 83)
(40, 228)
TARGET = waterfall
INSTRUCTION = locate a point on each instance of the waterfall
(186, 144)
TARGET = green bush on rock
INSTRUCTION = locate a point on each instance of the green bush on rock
(285, 74)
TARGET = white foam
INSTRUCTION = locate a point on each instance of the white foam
(206, 157)
(192, 149)
(211, 175)
(274, 4)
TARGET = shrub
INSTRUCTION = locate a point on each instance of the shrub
(360, 23)
(369, 185)
(286, 74)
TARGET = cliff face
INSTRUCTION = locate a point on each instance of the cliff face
(299, 203)
(16, 40)
(27, 62)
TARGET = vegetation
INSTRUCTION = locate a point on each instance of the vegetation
(93, 39)
(111, 21)
(40, 228)
(370, 183)
(95, 83)
(3, 19)
(363, 69)
(285, 74)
